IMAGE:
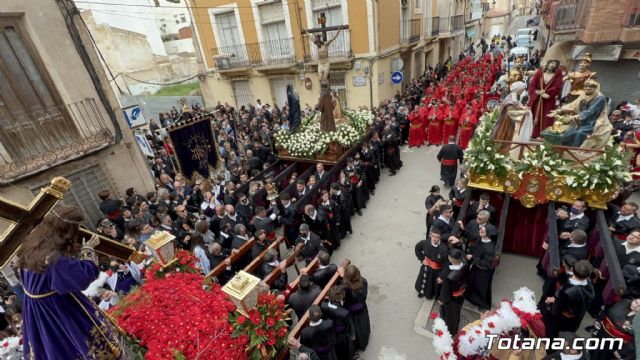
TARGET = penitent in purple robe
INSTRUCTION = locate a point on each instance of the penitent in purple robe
(60, 323)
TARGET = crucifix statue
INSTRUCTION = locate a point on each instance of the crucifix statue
(320, 40)
(23, 219)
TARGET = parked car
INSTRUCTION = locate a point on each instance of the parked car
(523, 51)
(525, 37)
(534, 21)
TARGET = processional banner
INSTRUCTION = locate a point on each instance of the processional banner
(195, 147)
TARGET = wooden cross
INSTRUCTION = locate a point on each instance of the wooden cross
(322, 20)
(23, 219)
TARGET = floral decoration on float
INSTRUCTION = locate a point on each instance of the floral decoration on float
(308, 140)
(175, 316)
(544, 172)
(512, 318)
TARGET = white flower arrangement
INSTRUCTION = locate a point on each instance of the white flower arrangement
(543, 157)
(612, 167)
(308, 141)
(442, 340)
(11, 348)
(473, 340)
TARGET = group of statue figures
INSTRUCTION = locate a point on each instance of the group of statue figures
(581, 122)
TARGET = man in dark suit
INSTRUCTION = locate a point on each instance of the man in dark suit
(269, 264)
(253, 162)
(625, 220)
(299, 191)
(305, 295)
(326, 270)
(576, 219)
(570, 351)
(483, 204)
(320, 173)
(319, 335)
(577, 245)
(287, 218)
(308, 243)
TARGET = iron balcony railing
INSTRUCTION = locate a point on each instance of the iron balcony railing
(571, 14)
(339, 48)
(36, 141)
(632, 14)
(457, 23)
(444, 25)
(428, 27)
(435, 25)
(264, 53)
(410, 31)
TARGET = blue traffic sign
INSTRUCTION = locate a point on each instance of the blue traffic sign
(396, 77)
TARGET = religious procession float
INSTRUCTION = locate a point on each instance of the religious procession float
(558, 148)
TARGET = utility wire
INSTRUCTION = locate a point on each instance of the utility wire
(173, 7)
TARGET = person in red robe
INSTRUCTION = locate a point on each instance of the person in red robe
(467, 123)
(544, 88)
(434, 129)
(416, 134)
(450, 127)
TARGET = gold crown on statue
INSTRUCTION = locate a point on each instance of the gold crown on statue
(586, 57)
(272, 192)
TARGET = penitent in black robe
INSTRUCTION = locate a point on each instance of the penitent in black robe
(567, 311)
(426, 281)
(616, 323)
(452, 295)
(321, 338)
(481, 275)
(356, 303)
(343, 328)
(449, 156)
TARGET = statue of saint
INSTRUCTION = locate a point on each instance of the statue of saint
(576, 79)
(326, 108)
(337, 109)
(592, 124)
(544, 89)
(516, 120)
(323, 55)
(294, 108)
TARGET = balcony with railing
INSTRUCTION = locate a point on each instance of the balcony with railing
(340, 48)
(571, 15)
(435, 26)
(444, 25)
(36, 141)
(457, 23)
(410, 31)
(264, 53)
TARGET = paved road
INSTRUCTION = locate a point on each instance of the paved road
(382, 246)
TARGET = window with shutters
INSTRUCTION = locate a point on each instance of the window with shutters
(242, 93)
(276, 40)
(85, 186)
(332, 10)
(337, 80)
(32, 116)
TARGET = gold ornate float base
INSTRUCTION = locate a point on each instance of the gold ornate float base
(536, 189)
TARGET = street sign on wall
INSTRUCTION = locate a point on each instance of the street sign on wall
(396, 77)
(133, 115)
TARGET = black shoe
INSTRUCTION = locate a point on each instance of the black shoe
(392, 173)
(372, 192)
(359, 213)
(420, 296)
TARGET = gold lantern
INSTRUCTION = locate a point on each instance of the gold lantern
(161, 244)
(243, 290)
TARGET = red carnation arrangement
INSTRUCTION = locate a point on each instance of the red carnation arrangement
(173, 316)
(264, 331)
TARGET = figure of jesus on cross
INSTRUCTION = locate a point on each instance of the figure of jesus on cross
(320, 40)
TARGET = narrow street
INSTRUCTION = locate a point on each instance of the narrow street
(382, 246)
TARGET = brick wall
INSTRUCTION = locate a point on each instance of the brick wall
(605, 21)
(185, 32)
